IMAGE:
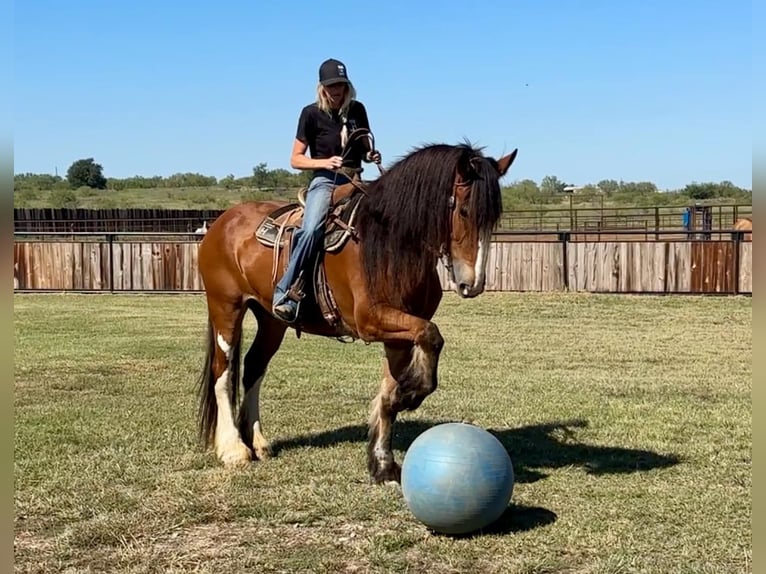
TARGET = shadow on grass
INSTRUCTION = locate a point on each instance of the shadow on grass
(516, 518)
(532, 448)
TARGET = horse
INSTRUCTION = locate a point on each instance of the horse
(439, 202)
(744, 224)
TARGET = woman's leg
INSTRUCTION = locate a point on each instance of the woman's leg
(307, 242)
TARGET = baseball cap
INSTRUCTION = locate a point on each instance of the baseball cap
(332, 71)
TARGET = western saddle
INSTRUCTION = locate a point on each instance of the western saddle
(277, 231)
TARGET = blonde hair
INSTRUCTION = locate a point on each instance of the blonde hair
(323, 102)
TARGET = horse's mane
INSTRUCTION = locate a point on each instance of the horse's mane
(405, 219)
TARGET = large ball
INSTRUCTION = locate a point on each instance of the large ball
(457, 478)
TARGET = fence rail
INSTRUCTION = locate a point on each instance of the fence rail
(646, 220)
(162, 262)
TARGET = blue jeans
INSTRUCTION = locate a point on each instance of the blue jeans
(309, 237)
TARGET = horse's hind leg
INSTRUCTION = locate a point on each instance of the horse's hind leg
(380, 456)
(267, 341)
(223, 374)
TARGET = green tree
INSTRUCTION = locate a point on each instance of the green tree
(608, 185)
(189, 180)
(551, 185)
(228, 182)
(701, 190)
(86, 172)
(262, 177)
(42, 181)
(522, 192)
(64, 198)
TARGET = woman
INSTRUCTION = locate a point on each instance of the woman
(323, 129)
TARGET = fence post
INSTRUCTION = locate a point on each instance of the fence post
(110, 242)
(656, 223)
(738, 237)
(564, 238)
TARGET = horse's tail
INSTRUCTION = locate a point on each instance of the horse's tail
(208, 407)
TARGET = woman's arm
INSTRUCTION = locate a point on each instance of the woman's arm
(299, 160)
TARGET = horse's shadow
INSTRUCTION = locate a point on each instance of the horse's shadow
(531, 448)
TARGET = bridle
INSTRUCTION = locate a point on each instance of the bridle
(444, 253)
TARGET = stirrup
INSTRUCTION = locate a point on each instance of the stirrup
(296, 292)
(282, 314)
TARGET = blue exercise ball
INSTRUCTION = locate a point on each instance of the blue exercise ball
(457, 478)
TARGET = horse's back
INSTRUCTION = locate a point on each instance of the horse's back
(243, 216)
(230, 256)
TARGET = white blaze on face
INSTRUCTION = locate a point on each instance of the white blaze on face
(480, 269)
(469, 280)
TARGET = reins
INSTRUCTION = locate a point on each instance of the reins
(355, 135)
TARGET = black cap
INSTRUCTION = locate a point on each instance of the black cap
(331, 72)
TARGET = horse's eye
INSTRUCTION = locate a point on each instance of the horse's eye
(464, 211)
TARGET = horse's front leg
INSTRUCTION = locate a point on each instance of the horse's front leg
(380, 455)
(412, 347)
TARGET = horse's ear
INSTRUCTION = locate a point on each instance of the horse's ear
(505, 162)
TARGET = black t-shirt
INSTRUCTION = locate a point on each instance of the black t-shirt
(321, 131)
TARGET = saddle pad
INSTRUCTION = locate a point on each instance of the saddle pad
(268, 230)
(335, 235)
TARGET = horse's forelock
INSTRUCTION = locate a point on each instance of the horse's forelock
(486, 202)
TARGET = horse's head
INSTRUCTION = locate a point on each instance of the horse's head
(476, 206)
(439, 201)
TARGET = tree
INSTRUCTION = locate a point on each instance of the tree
(228, 182)
(521, 192)
(608, 185)
(551, 185)
(700, 190)
(86, 172)
(262, 176)
(638, 187)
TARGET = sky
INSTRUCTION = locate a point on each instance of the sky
(587, 90)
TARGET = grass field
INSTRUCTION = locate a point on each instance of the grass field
(628, 420)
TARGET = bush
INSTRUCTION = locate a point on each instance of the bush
(64, 198)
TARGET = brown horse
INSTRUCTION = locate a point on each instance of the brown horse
(438, 202)
(745, 224)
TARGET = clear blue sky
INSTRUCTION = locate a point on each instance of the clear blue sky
(647, 90)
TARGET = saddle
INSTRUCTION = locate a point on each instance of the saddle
(276, 231)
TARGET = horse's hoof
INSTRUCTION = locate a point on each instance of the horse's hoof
(237, 456)
(262, 451)
(392, 484)
(389, 475)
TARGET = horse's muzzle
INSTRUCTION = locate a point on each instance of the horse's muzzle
(467, 291)
(465, 280)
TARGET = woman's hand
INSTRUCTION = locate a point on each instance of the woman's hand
(374, 156)
(333, 162)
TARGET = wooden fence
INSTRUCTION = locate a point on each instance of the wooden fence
(170, 265)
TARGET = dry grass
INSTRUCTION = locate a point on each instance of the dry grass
(628, 421)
